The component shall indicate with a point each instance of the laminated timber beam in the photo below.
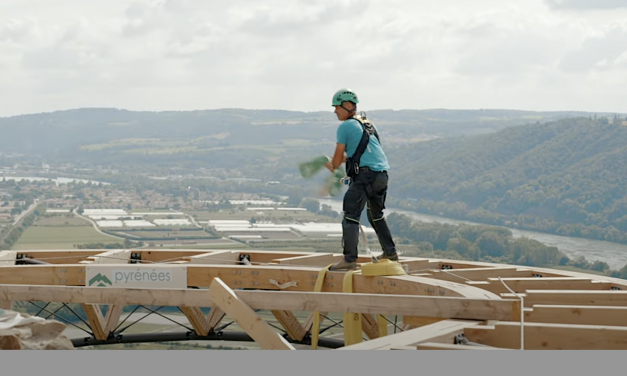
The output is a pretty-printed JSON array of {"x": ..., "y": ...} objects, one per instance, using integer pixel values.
[
  {"x": 7, "y": 258},
  {"x": 119, "y": 256},
  {"x": 440, "y": 331},
  {"x": 214, "y": 317},
  {"x": 543, "y": 336},
  {"x": 197, "y": 319},
  {"x": 100, "y": 325},
  {"x": 60, "y": 256},
  {"x": 259, "y": 277},
  {"x": 219, "y": 257},
  {"x": 316, "y": 259},
  {"x": 246, "y": 318},
  {"x": 572, "y": 297},
  {"x": 481, "y": 274},
  {"x": 578, "y": 315},
  {"x": 444, "y": 346},
  {"x": 520, "y": 285},
  {"x": 426, "y": 306},
  {"x": 290, "y": 323}
]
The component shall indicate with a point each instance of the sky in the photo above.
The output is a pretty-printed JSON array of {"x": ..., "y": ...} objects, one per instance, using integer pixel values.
[{"x": 179, "y": 55}]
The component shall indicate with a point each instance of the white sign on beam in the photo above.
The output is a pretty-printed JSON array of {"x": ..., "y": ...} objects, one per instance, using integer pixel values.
[{"x": 142, "y": 276}]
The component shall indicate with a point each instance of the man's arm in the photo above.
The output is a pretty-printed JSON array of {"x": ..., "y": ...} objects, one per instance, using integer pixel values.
[{"x": 338, "y": 158}]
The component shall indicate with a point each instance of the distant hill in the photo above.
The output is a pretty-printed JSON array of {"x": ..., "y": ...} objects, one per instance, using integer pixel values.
[
  {"x": 102, "y": 132},
  {"x": 567, "y": 176}
]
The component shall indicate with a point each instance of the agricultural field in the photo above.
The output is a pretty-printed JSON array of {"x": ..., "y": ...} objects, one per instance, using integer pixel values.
[
  {"x": 60, "y": 237},
  {"x": 276, "y": 216}
]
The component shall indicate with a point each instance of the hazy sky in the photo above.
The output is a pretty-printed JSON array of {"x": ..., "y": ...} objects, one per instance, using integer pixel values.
[{"x": 294, "y": 54}]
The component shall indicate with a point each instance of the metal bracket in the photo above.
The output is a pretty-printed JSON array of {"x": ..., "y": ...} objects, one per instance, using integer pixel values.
[{"x": 136, "y": 258}]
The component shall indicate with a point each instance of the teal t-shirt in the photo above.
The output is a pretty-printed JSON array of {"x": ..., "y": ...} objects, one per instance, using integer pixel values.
[{"x": 349, "y": 133}]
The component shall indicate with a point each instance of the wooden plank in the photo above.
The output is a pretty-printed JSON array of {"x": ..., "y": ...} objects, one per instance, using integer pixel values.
[
  {"x": 197, "y": 319},
  {"x": 316, "y": 259},
  {"x": 542, "y": 336},
  {"x": 369, "y": 326},
  {"x": 428, "y": 306},
  {"x": 246, "y": 318},
  {"x": 290, "y": 323},
  {"x": 60, "y": 256},
  {"x": 310, "y": 321},
  {"x": 418, "y": 321},
  {"x": 578, "y": 315},
  {"x": 573, "y": 297},
  {"x": 7, "y": 258},
  {"x": 260, "y": 277},
  {"x": 450, "y": 346},
  {"x": 215, "y": 258},
  {"x": 444, "y": 329},
  {"x": 214, "y": 317},
  {"x": 112, "y": 318},
  {"x": 117, "y": 256},
  {"x": 550, "y": 283},
  {"x": 480, "y": 274},
  {"x": 96, "y": 321},
  {"x": 421, "y": 265}
]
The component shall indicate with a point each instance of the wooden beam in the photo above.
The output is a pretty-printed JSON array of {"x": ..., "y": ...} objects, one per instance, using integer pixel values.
[
  {"x": 316, "y": 259},
  {"x": 197, "y": 319},
  {"x": 215, "y": 258},
  {"x": 444, "y": 329},
  {"x": 370, "y": 326},
  {"x": 550, "y": 283},
  {"x": 290, "y": 323},
  {"x": 60, "y": 256},
  {"x": 7, "y": 258},
  {"x": 573, "y": 297},
  {"x": 214, "y": 317},
  {"x": 428, "y": 306},
  {"x": 96, "y": 321},
  {"x": 479, "y": 274},
  {"x": 581, "y": 315},
  {"x": 450, "y": 346},
  {"x": 541, "y": 336},
  {"x": 117, "y": 256},
  {"x": 260, "y": 277},
  {"x": 246, "y": 318},
  {"x": 112, "y": 318},
  {"x": 418, "y": 321}
]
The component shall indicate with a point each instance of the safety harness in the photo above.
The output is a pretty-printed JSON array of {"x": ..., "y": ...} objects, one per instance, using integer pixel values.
[{"x": 352, "y": 163}]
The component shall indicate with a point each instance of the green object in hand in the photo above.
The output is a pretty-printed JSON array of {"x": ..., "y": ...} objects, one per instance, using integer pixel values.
[
  {"x": 309, "y": 169},
  {"x": 333, "y": 183}
]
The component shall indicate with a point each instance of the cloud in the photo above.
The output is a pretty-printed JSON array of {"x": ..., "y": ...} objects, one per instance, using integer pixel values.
[
  {"x": 184, "y": 54},
  {"x": 585, "y": 4},
  {"x": 598, "y": 52}
]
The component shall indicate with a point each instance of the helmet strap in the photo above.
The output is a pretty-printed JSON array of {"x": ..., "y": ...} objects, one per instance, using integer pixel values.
[{"x": 347, "y": 110}]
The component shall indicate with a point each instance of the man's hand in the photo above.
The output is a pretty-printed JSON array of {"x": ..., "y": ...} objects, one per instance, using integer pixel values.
[{"x": 329, "y": 166}]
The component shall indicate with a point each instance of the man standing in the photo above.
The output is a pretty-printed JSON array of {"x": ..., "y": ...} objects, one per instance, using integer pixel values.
[{"x": 368, "y": 185}]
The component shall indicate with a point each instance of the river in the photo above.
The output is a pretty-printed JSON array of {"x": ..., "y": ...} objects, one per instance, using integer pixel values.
[{"x": 614, "y": 254}]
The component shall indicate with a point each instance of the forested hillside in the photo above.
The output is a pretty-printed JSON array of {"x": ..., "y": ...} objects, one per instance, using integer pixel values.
[{"x": 568, "y": 177}]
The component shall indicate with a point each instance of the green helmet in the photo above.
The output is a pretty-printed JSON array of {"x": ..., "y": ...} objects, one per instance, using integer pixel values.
[{"x": 344, "y": 95}]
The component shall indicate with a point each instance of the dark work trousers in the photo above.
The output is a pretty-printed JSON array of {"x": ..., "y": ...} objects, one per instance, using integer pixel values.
[{"x": 367, "y": 187}]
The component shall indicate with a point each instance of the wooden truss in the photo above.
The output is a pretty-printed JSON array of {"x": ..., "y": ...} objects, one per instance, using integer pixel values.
[{"x": 444, "y": 304}]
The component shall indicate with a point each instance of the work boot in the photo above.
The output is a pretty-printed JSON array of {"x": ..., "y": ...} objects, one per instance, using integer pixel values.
[
  {"x": 383, "y": 256},
  {"x": 343, "y": 265}
]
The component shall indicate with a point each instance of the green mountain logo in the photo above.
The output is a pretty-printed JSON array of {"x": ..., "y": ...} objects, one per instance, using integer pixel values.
[{"x": 100, "y": 281}]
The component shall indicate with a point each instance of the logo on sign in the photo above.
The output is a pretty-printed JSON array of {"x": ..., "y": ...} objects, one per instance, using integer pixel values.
[
  {"x": 133, "y": 276},
  {"x": 100, "y": 281}
]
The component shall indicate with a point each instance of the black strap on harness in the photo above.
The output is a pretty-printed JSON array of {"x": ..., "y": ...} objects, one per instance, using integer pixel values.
[{"x": 352, "y": 163}]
